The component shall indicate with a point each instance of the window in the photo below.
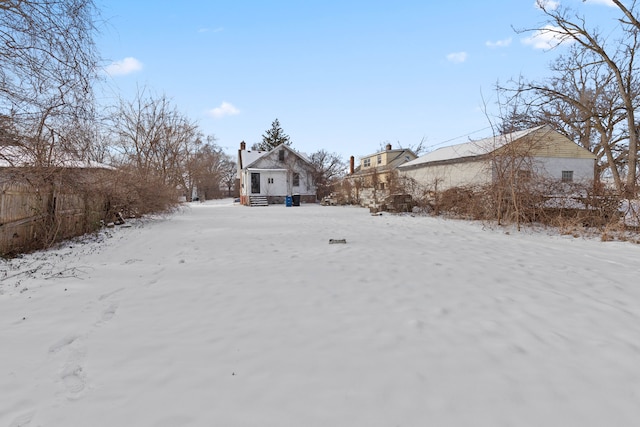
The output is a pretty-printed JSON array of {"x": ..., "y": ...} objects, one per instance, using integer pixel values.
[
  {"x": 281, "y": 155},
  {"x": 379, "y": 159},
  {"x": 567, "y": 176},
  {"x": 296, "y": 179},
  {"x": 367, "y": 163},
  {"x": 270, "y": 181}
]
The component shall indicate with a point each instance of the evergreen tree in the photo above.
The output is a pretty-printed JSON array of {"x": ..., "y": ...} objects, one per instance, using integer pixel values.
[{"x": 272, "y": 138}]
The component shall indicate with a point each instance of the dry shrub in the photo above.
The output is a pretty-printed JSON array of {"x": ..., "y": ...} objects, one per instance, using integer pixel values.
[
  {"x": 129, "y": 194},
  {"x": 47, "y": 205},
  {"x": 461, "y": 202},
  {"x": 572, "y": 209}
]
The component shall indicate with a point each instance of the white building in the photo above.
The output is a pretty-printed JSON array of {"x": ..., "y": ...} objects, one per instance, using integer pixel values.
[
  {"x": 267, "y": 177},
  {"x": 540, "y": 151}
]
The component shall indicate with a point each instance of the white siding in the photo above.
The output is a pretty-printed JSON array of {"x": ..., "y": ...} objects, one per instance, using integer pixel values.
[
  {"x": 478, "y": 173},
  {"x": 442, "y": 177},
  {"x": 276, "y": 188},
  {"x": 552, "y": 167}
]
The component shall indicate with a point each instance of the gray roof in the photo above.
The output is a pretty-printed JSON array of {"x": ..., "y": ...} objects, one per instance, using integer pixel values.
[
  {"x": 471, "y": 149},
  {"x": 249, "y": 157}
]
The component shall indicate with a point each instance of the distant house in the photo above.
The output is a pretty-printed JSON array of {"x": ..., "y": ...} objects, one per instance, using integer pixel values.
[
  {"x": 267, "y": 177},
  {"x": 540, "y": 151},
  {"x": 374, "y": 177}
]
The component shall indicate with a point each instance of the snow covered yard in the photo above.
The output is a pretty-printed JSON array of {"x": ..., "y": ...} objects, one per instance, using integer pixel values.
[{"x": 223, "y": 315}]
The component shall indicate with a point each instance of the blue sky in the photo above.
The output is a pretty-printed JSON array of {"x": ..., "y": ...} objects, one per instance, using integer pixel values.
[{"x": 345, "y": 76}]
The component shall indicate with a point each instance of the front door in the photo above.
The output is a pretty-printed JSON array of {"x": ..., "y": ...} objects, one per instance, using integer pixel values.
[{"x": 255, "y": 183}]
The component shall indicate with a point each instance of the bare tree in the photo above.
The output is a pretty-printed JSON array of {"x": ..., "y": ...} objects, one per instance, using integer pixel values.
[
  {"x": 154, "y": 137},
  {"x": 210, "y": 170},
  {"x": 580, "y": 100},
  {"x": 618, "y": 57},
  {"x": 418, "y": 148},
  {"x": 329, "y": 168},
  {"x": 229, "y": 174},
  {"x": 48, "y": 64}
]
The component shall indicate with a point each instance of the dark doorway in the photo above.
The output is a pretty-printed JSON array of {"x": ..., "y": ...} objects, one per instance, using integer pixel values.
[{"x": 255, "y": 183}]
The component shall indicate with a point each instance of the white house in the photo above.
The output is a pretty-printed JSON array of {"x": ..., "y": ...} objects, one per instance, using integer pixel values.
[
  {"x": 270, "y": 176},
  {"x": 540, "y": 151}
]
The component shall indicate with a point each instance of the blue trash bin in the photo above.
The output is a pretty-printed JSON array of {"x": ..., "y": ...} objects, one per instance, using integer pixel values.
[{"x": 288, "y": 201}]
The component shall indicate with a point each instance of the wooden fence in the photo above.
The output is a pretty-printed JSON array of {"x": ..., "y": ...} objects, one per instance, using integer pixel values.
[{"x": 36, "y": 215}]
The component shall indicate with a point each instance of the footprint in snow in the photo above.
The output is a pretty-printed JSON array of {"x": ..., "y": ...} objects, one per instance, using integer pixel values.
[
  {"x": 64, "y": 342},
  {"x": 23, "y": 420},
  {"x": 107, "y": 295},
  {"x": 73, "y": 378},
  {"x": 72, "y": 374},
  {"x": 107, "y": 314}
]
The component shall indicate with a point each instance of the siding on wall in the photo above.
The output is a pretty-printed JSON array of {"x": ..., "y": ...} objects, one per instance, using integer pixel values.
[
  {"x": 583, "y": 169},
  {"x": 442, "y": 177},
  {"x": 553, "y": 144},
  {"x": 270, "y": 166},
  {"x": 392, "y": 158},
  {"x": 32, "y": 217},
  {"x": 466, "y": 165},
  {"x": 279, "y": 186}
]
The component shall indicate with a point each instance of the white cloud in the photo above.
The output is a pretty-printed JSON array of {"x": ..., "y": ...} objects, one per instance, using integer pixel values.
[
  {"x": 457, "y": 57},
  {"x": 547, "y": 4},
  {"x": 499, "y": 43},
  {"x": 225, "y": 109},
  {"x": 547, "y": 38},
  {"x": 555, "y": 4},
  {"x": 125, "y": 66}
]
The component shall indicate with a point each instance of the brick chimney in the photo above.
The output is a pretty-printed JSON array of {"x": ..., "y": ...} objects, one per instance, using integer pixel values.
[
  {"x": 352, "y": 163},
  {"x": 388, "y": 147},
  {"x": 243, "y": 146}
]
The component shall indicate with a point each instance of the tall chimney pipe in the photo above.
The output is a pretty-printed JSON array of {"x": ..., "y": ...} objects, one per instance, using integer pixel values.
[
  {"x": 243, "y": 145},
  {"x": 352, "y": 162}
]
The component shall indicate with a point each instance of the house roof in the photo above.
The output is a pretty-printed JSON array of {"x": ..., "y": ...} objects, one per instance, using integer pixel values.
[
  {"x": 249, "y": 157},
  {"x": 472, "y": 149},
  {"x": 400, "y": 151},
  {"x": 15, "y": 156},
  {"x": 400, "y": 157},
  {"x": 394, "y": 159}
]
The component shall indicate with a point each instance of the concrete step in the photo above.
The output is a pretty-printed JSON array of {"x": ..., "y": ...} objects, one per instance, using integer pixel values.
[{"x": 258, "y": 201}]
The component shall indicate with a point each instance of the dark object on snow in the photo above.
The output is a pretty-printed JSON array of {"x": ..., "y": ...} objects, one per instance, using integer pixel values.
[
  {"x": 394, "y": 203},
  {"x": 119, "y": 219},
  {"x": 333, "y": 241},
  {"x": 333, "y": 199},
  {"x": 399, "y": 203}
]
